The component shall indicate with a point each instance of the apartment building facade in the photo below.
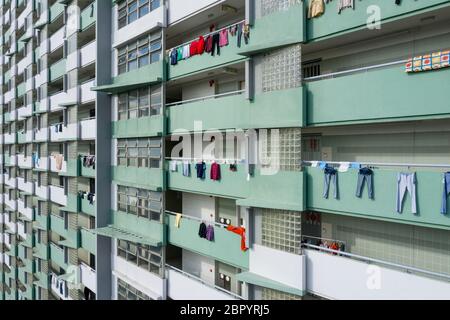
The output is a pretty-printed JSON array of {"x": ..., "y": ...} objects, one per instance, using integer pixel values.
[{"x": 224, "y": 149}]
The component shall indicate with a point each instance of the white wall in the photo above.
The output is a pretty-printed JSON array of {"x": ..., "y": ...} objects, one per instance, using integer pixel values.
[
  {"x": 340, "y": 278},
  {"x": 181, "y": 9},
  {"x": 198, "y": 90},
  {"x": 199, "y": 206},
  {"x": 150, "y": 284},
  {"x": 180, "y": 287},
  {"x": 283, "y": 267},
  {"x": 199, "y": 266}
]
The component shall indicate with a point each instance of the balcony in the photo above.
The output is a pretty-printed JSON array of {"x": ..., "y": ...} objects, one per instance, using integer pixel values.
[
  {"x": 41, "y": 251},
  {"x": 25, "y": 211},
  {"x": 41, "y": 135},
  {"x": 88, "y": 16},
  {"x": 42, "y": 191},
  {"x": 88, "y": 129},
  {"x": 389, "y": 94},
  {"x": 11, "y": 182},
  {"x": 233, "y": 110},
  {"x": 25, "y": 162},
  {"x": 57, "y": 39},
  {"x": 87, "y": 208},
  {"x": 56, "y": 71},
  {"x": 56, "y": 101},
  {"x": 88, "y": 240},
  {"x": 184, "y": 286},
  {"x": 59, "y": 288},
  {"x": 57, "y": 194},
  {"x": 25, "y": 111},
  {"x": 57, "y": 256},
  {"x": 10, "y": 161},
  {"x": 86, "y": 94},
  {"x": 284, "y": 190},
  {"x": 228, "y": 55},
  {"x": 42, "y": 164},
  {"x": 12, "y": 226},
  {"x": 88, "y": 277},
  {"x": 10, "y": 138},
  {"x": 149, "y": 178},
  {"x": 226, "y": 246},
  {"x": 57, "y": 225},
  {"x": 332, "y": 23},
  {"x": 25, "y": 137},
  {"x": 21, "y": 230},
  {"x": 69, "y": 132},
  {"x": 25, "y": 186},
  {"x": 88, "y": 54},
  {"x": 88, "y": 172},
  {"x": 397, "y": 282},
  {"x": 54, "y": 167},
  {"x": 383, "y": 207},
  {"x": 138, "y": 127},
  {"x": 42, "y": 221}
]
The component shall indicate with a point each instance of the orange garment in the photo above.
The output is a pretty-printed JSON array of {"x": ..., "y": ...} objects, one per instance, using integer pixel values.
[{"x": 240, "y": 231}]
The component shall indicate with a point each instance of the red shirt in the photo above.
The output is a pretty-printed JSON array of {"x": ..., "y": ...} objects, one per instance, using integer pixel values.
[
  {"x": 200, "y": 45},
  {"x": 193, "y": 48},
  {"x": 215, "y": 171}
]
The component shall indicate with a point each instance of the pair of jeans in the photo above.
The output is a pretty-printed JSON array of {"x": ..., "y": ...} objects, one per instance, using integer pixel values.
[
  {"x": 330, "y": 176},
  {"x": 406, "y": 182},
  {"x": 215, "y": 44},
  {"x": 445, "y": 193},
  {"x": 365, "y": 174}
]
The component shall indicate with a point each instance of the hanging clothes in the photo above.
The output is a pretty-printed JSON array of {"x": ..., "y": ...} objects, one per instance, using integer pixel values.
[
  {"x": 178, "y": 218},
  {"x": 186, "y": 51},
  {"x": 173, "y": 166},
  {"x": 186, "y": 169},
  {"x": 215, "y": 44},
  {"x": 215, "y": 171},
  {"x": 344, "y": 4},
  {"x": 201, "y": 170},
  {"x": 201, "y": 45},
  {"x": 174, "y": 57},
  {"x": 330, "y": 176},
  {"x": 233, "y": 167},
  {"x": 202, "y": 230},
  {"x": 446, "y": 192},
  {"x": 210, "y": 233},
  {"x": 365, "y": 174},
  {"x": 239, "y": 231},
  {"x": 59, "y": 159},
  {"x": 316, "y": 8},
  {"x": 180, "y": 54},
  {"x": 208, "y": 44},
  {"x": 223, "y": 37},
  {"x": 406, "y": 182},
  {"x": 193, "y": 48}
]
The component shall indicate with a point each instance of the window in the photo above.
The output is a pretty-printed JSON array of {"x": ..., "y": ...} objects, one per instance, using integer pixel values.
[
  {"x": 131, "y": 10},
  {"x": 140, "y": 103},
  {"x": 138, "y": 54},
  {"x": 144, "y": 256},
  {"x": 140, "y": 202},
  {"x": 141, "y": 153},
  {"x": 127, "y": 292}
]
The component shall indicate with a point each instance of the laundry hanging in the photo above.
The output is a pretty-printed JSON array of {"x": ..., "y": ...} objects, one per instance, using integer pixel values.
[
  {"x": 433, "y": 61},
  {"x": 365, "y": 175},
  {"x": 330, "y": 176},
  {"x": 239, "y": 231},
  {"x": 446, "y": 192},
  {"x": 202, "y": 230},
  {"x": 215, "y": 171},
  {"x": 406, "y": 182}
]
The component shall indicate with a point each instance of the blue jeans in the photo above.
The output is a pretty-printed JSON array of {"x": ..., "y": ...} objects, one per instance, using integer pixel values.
[
  {"x": 445, "y": 193},
  {"x": 406, "y": 182},
  {"x": 330, "y": 176},
  {"x": 364, "y": 175}
]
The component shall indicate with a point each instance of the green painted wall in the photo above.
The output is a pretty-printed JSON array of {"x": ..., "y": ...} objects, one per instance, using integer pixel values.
[
  {"x": 87, "y": 208},
  {"x": 143, "y": 226},
  {"x": 271, "y": 31},
  {"x": 284, "y": 190},
  {"x": 429, "y": 195},
  {"x": 88, "y": 241},
  {"x": 333, "y": 23},
  {"x": 141, "y": 127},
  {"x": 264, "y": 111},
  {"x": 152, "y": 179},
  {"x": 226, "y": 246},
  {"x": 384, "y": 94}
]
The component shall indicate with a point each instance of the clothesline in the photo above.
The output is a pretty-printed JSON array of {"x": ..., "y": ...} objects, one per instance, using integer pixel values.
[
  {"x": 380, "y": 164},
  {"x": 171, "y": 213},
  {"x": 324, "y": 239},
  {"x": 206, "y": 35},
  {"x": 205, "y": 160}
]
